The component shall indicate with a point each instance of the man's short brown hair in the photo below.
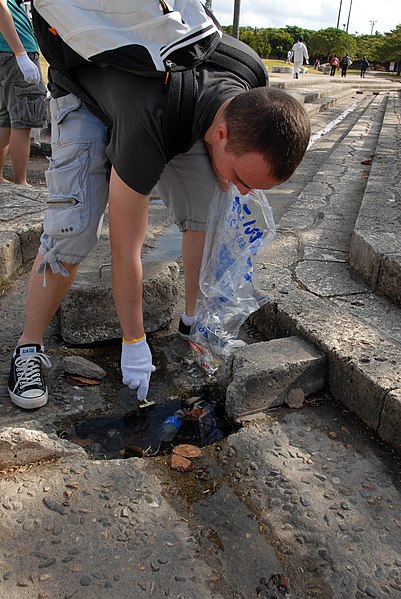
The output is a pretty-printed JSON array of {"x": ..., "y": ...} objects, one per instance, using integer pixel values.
[{"x": 269, "y": 121}]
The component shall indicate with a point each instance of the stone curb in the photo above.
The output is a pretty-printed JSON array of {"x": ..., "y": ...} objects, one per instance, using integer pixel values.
[
  {"x": 375, "y": 250},
  {"x": 362, "y": 365},
  {"x": 311, "y": 285}
]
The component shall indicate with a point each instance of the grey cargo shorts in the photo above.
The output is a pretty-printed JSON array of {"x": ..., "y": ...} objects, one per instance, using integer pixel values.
[
  {"x": 77, "y": 182},
  {"x": 22, "y": 104}
]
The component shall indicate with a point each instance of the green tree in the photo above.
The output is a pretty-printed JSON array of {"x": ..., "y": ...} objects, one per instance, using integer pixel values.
[
  {"x": 257, "y": 39},
  {"x": 327, "y": 42},
  {"x": 368, "y": 45},
  {"x": 280, "y": 41},
  {"x": 389, "y": 48},
  {"x": 295, "y": 32}
]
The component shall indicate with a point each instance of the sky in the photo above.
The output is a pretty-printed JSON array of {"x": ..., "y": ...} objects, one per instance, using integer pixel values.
[{"x": 384, "y": 15}]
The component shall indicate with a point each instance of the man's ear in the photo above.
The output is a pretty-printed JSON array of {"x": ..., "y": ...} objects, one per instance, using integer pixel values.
[{"x": 220, "y": 134}]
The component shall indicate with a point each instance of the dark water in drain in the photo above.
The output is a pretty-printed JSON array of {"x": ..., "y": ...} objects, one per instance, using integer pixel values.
[{"x": 135, "y": 431}]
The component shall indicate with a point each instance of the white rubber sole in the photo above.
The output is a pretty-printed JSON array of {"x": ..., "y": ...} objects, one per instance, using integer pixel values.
[{"x": 29, "y": 403}]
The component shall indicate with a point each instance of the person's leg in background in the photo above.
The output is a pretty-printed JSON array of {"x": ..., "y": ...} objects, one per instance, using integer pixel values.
[
  {"x": 5, "y": 133},
  {"x": 17, "y": 143},
  {"x": 22, "y": 106},
  {"x": 19, "y": 149}
]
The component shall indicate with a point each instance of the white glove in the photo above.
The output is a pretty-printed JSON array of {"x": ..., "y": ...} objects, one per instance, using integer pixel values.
[
  {"x": 136, "y": 366},
  {"x": 28, "y": 68}
]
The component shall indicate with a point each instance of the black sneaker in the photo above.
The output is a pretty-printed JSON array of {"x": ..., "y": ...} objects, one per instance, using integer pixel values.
[
  {"x": 184, "y": 330},
  {"x": 26, "y": 385}
]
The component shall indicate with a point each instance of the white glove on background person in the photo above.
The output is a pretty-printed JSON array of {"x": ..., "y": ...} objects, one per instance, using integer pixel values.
[
  {"x": 28, "y": 68},
  {"x": 136, "y": 366}
]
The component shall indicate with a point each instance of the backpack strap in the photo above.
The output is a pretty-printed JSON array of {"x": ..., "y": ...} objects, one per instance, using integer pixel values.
[
  {"x": 230, "y": 55},
  {"x": 182, "y": 89}
]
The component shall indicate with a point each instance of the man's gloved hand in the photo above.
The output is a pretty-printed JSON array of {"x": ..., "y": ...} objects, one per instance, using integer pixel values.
[
  {"x": 28, "y": 68},
  {"x": 136, "y": 366}
]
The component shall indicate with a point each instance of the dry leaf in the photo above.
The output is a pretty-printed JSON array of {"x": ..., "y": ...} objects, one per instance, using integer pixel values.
[
  {"x": 75, "y": 379},
  {"x": 187, "y": 451},
  {"x": 177, "y": 462}
]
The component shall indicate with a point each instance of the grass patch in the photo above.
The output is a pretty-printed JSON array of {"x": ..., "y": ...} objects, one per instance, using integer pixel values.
[{"x": 274, "y": 62}]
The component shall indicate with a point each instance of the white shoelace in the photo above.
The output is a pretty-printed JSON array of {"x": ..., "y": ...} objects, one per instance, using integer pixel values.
[{"x": 28, "y": 369}]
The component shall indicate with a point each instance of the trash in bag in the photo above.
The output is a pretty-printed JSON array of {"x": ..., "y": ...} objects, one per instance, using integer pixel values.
[{"x": 238, "y": 226}]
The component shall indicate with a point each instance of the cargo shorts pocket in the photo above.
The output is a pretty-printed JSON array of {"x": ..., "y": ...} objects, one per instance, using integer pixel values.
[
  {"x": 5, "y": 57},
  {"x": 68, "y": 211},
  {"x": 30, "y": 103}
]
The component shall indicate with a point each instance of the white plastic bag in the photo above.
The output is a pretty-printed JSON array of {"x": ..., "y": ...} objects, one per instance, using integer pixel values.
[{"x": 238, "y": 226}]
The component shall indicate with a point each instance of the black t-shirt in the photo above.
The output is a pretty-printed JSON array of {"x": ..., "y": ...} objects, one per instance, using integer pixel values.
[{"x": 135, "y": 109}]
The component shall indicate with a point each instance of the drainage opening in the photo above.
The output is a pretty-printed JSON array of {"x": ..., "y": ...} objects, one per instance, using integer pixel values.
[{"x": 149, "y": 431}]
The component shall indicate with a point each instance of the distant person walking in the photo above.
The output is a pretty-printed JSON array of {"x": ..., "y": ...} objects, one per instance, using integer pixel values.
[
  {"x": 300, "y": 53},
  {"x": 334, "y": 64},
  {"x": 289, "y": 56},
  {"x": 364, "y": 66},
  {"x": 345, "y": 63}
]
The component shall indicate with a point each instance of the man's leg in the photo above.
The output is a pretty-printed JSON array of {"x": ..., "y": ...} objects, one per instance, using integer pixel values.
[
  {"x": 43, "y": 302},
  {"x": 78, "y": 188},
  {"x": 193, "y": 243},
  {"x": 19, "y": 152},
  {"x": 187, "y": 186},
  {"x": 5, "y": 133}
]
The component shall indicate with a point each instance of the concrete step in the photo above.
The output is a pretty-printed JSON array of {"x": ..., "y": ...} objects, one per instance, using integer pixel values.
[
  {"x": 375, "y": 250},
  {"x": 316, "y": 296},
  {"x": 88, "y": 315}
]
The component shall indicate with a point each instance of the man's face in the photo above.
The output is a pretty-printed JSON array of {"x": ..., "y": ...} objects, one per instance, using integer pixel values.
[{"x": 246, "y": 172}]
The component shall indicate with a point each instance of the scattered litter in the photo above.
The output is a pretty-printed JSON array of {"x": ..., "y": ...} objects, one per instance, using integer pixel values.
[{"x": 146, "y": 403}]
